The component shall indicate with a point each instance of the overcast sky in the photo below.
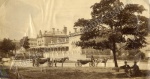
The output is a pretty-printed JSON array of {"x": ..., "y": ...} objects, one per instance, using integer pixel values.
[{"x": 17, "y": 16}]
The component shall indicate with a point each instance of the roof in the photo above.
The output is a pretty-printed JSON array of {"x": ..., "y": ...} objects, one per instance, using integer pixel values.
[
  {"x": 75, "y": 34},
  {"x": 51, "y": 34},
  {"x": 56, "y": 34}
]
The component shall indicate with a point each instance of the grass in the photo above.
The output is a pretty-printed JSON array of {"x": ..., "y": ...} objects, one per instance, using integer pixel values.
[{"x": 76, "y": 73}]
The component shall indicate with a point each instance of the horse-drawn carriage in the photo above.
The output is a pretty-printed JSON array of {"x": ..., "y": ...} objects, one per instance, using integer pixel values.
[
  {"x": 93, "y": 61},
  {"x": 79, "y": 63},
  {"x": 50, "y": 62},
  {"x": 38, "y": 61}
]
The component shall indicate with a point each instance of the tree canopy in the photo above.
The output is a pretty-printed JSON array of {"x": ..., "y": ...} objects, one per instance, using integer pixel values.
[
  {"x": 113, "y": 22},
  {"x": 24, "y": 42},
  {"x": 7, "y": 45}
]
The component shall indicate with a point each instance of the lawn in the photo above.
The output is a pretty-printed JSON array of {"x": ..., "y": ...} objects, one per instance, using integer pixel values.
[{"x": 75, "y": 73}]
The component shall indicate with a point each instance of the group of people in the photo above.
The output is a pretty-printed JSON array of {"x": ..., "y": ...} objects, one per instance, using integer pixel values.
[{"x": 131, "y": 71}]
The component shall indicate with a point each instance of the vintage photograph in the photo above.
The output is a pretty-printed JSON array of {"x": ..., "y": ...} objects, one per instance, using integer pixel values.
[{"x": 74, "y": 39}]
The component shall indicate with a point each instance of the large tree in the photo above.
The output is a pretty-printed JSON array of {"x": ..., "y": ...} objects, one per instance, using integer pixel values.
[
  {"x": 7, "y": 45},
  {"x": 24, "y": 42},
  {"x": 113, "y": 23}
]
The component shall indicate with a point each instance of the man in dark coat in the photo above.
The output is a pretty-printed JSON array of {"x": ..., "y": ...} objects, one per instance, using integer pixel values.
[{"x": 126, "y": 68}]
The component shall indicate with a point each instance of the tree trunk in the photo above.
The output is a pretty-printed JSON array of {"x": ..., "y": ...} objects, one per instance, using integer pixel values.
[{"x": 114, "y": 54}]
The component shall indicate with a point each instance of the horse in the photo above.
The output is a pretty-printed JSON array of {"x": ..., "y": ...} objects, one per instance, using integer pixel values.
[
  {"x": 60, "y": 60},
  {"x": 104, "y": 60},
  {"x": 39, "y": 61}
]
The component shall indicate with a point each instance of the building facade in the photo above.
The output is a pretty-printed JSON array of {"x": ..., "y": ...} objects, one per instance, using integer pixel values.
[
  {"x": 32, "y": 42},
  {"x": 57, "y": 44}
]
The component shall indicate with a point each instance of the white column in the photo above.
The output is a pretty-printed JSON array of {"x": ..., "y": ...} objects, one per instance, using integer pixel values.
[
  {"x": 52, "y": 54},
  {"x": 63, "y": 53}
]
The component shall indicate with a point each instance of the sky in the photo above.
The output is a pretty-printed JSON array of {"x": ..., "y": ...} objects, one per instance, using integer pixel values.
[{"x": 19, "y": 18}]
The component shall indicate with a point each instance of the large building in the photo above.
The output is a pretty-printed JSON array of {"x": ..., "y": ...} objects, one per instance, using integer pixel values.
[{"x": 57, "y": 44}]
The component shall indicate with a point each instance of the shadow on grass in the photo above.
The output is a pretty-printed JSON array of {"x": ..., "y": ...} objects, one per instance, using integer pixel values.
[
  {"x": 53, "y": 74},
  {"x": 143, "y": 74}
]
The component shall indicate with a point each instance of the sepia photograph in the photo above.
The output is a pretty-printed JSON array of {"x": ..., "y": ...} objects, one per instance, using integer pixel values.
[{"x": 74, "y": 39}]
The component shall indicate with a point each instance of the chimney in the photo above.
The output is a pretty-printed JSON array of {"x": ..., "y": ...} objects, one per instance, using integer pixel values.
[
  {"x": 45, "y": 32},
  {"x": 75, "y": 30},
  {"x": 65, "y": 30},
  {"x": 53, "y": 30}
]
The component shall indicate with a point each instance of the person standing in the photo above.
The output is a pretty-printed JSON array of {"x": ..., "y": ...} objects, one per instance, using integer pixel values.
[{"x": 33, "y": 60}]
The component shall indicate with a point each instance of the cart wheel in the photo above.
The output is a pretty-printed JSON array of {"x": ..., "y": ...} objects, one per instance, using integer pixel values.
[
  {"x": 50, "y": 64},
  {"x": 78, "y": 64},
  {"x": 91, "y": 64},
  {"x": 37, "y": 64}
]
